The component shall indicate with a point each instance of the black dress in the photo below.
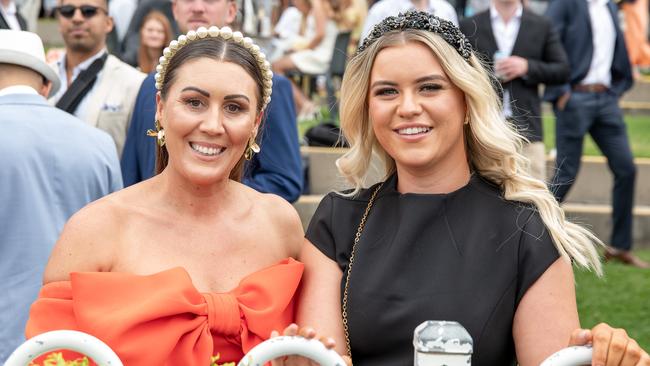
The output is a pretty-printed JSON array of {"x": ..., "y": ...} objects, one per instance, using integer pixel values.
[{"x": 467, "y": 256}]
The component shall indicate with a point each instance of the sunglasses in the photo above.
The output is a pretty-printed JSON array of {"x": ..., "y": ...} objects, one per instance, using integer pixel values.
[{"x": 87, "y": 11}]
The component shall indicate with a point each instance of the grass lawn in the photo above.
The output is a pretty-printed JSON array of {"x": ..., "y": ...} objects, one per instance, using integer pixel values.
[
  {"x": 638, "y": 128},
  {"x": 621, "y": 298}
]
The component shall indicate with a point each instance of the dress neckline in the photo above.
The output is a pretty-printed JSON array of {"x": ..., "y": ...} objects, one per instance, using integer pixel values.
[
  {"x": 390, "y": 188},
  {"x": 184, "y": 273}
]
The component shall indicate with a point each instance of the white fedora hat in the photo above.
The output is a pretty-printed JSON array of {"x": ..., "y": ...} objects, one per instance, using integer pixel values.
[{"x": 26, "y": 49}]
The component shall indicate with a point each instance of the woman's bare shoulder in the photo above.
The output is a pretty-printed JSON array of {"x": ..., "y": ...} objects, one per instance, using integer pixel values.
[
  {"x": 105, "y": 214},
  {"x": 283, "y": 217},
  {"x": 90, "y": 238}
]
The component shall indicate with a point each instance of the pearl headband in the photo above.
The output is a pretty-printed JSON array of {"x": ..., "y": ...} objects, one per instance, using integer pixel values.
[{"x": 224, "y": 33}]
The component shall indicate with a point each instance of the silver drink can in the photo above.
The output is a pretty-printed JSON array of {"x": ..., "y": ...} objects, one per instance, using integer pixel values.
[{"x": 442, "y": 343}]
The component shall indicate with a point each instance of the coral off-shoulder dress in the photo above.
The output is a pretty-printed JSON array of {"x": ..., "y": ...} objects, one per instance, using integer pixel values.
[{"x": 161, "y": 319}]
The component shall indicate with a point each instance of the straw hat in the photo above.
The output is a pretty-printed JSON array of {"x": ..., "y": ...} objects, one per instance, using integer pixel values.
[{"x": 26, "y": 49}]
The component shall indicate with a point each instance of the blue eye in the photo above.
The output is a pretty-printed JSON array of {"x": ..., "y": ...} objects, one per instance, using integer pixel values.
[{"x": 386, "y": 91}]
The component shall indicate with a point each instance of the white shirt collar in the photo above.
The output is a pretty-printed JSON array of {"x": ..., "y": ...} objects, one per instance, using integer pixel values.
[
  {"x": 18, "y": 89},
  {"x": 494, "y": 14},
  {"x": 598, "y": 2},
  {"x": 82, "y": 66},
  {"x": 9, "y": 10}
]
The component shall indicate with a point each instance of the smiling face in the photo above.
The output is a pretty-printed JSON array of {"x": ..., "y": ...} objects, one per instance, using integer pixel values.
[
  {"x": 153, "y": 34},
  {"x": 416, "y": 112},
  {"x": 209, "y": 113}
]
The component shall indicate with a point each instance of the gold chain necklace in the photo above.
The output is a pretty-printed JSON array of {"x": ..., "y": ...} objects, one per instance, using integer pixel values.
[{"x": 357, "y": 237}]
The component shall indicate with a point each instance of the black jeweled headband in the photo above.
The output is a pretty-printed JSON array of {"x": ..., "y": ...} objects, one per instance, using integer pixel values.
[{"x": 421, "y": 20}]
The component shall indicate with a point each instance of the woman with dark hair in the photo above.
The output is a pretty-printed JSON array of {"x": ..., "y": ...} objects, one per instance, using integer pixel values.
[
  {"x": 191, "y": 264},
  {"x": 155, "y": 34}
]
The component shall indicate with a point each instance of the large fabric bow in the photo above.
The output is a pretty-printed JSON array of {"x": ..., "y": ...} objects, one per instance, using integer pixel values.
[{"x": 162, "y": 319}]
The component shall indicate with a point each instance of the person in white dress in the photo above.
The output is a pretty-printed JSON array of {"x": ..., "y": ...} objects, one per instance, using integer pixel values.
[{"x": 312, "y": 52}]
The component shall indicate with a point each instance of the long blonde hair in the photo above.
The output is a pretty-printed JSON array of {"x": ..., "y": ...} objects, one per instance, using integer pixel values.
[{"x": 492, "y": 143}]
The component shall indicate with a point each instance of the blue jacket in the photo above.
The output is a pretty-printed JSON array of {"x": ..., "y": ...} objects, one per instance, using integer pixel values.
[
  {"x": 572, "y": 22},
  {"x": 52, "y": 164},
  {"x": 276, "y": 169}
]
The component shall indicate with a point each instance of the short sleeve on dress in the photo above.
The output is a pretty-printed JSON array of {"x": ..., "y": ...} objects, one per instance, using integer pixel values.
[
  {"x": 319, "y": 231},
  {"x": 536, "y": 253}
]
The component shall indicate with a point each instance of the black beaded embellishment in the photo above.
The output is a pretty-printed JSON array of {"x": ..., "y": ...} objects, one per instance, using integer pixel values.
[{"x": 421, "y": 20}]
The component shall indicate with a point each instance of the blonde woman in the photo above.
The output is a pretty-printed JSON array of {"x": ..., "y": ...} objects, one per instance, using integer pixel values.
[{"x": 457, "y": 231}]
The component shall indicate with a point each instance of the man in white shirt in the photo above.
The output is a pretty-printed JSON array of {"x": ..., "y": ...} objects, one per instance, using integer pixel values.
[
  {"x": 96, "y": 87},
  {"x": 10, "y": 18},
  {"x": 600, "y": 74},
  {"x": 526, "y": 52},
  {"x": 386, "y": 8}
]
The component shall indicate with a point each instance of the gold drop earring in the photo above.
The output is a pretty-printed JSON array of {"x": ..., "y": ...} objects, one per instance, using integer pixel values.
[
  {"x": 159, "y": 134},
  {"x": 251, "y": 149}
]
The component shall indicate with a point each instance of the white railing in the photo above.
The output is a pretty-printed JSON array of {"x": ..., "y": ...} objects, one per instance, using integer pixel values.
[
  {"x": 63, "y": 339},
  {"x": 260, "y": 354}
]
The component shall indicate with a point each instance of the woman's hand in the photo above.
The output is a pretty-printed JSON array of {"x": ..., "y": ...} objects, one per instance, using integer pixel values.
[
  {"x": 611, "y": 346},
  {"x": 309, "y": 333}
]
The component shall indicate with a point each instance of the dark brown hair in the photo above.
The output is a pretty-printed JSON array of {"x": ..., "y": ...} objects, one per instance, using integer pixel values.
[
  {"x": 147, "y": 63},
  {"x": 220, "y": 50}
]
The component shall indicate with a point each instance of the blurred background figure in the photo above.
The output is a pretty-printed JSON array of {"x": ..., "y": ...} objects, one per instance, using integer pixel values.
[
  {"x": 588, "y": 104},
  {"x": 29, "y": 10},
  {"x": 96, "y": 87},
  {"x": 10, "y": 18},
  {"x": 289, "y": 23},
  {"x": 155, "y": 35},
  {"x": 636, "y": 34},
  {"x": 131, "y": 41},
  {"x": 286, "y": 31},
  {"x": 350, "y": 16},
  {"x": 525, "y": 52},
  {"x": 475, "y": 6},
  {"x": 52, "y": 165},
  {"x": 536, "y": 6},
  {"x": 122, "y": 12},
  {"x": 310, "y": 53}
]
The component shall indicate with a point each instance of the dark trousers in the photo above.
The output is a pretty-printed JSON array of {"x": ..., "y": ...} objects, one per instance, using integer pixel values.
[{"x": 599, "y": 115}]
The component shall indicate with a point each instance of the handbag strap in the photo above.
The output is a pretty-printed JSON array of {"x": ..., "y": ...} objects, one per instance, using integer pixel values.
[
  {"x": 72, "y": 97},
  {"x": 357, "y": 237}
]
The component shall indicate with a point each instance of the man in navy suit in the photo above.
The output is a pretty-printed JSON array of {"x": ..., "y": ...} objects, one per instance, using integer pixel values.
[
  {"x": 600, "y": 74},
  {"x": 276, "y": 169}
]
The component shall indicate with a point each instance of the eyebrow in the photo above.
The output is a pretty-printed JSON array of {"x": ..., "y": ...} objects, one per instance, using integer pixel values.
[
  {"x": 198, "y": 90},
  {"x": 417, "y": 81},
  {"x": 431, "y": 78},
  {"x": 236, "y": 96}
]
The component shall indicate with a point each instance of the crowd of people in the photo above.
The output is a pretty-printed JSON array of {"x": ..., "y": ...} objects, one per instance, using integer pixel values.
[{"x": 152, "y": 170}]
